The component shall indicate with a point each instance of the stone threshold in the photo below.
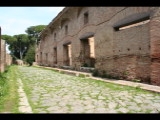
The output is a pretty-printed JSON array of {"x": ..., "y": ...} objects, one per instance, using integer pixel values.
[{"x": 143, "y": 86}]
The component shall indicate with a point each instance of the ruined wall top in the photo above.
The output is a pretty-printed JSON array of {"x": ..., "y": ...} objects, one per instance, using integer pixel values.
[{"x": 43, "y": 33}]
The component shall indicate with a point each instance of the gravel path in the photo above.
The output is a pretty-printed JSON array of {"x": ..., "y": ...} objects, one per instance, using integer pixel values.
[{"x": 51, "y": 92}]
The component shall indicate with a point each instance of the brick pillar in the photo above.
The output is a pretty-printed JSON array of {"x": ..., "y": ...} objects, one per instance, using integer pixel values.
[
  {"x": 3, "y": 55},
  {"x": 0, "y": 53},
  {"x": 155, "y": 47}
]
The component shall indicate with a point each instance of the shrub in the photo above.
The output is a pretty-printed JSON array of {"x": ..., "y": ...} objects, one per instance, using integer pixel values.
[
  {"x": 104, "y": 74},
  {"x": 30, "y": 55},
  {"x": 95, "y": 73},
  {"x": 85, "y": 65}
]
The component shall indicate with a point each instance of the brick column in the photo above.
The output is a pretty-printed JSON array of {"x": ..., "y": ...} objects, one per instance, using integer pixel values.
[
  {"x": 155, "y": 47},
  {"x": 0, "y": 53}
]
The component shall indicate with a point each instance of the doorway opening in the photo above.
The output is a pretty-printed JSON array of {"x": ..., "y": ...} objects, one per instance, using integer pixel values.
[
  {"x": 87, "y": 52},
  {"x": 55, "y": 55},
  {"x": 46, "y": 59},
  {"x": 41, "y": 58},
  {"x": 67, "y": 54}
]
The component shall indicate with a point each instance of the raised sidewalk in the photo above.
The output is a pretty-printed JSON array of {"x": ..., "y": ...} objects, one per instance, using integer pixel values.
[{"x": 147, "y": 87}]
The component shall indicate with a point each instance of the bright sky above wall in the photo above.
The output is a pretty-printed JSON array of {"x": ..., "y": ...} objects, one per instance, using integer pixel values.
[{"x": 15, "y": 20}]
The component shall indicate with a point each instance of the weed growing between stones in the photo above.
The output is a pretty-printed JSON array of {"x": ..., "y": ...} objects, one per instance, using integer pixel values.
[{"x": 82, "y": 75}]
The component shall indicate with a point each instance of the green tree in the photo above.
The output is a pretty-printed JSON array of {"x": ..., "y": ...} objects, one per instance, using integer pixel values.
[
  {"x": 33, "y": 33},
  {"x": 18, "y": 44},
  {"x": 30, "y": 55},
  {"x": 21, "y": 45},
  {"x": 9, "y": 39}
]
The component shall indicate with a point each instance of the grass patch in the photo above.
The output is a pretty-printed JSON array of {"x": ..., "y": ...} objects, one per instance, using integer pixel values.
[
  {"x": 69, "y": 107},
  {"x": 82, "y": 75},
  {"x": 117, "y": 87},
  {"x": 9, "y": 97},
  {"x": 62, "y": 72}
]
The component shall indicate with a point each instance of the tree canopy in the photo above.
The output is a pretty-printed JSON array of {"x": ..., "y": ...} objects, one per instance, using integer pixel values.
[
  {"x": 23, "y": 45},
  {"x": 33, "y": 32},
  {"x": 30, "y": 55},
  {"x": 18, "y": 44}
]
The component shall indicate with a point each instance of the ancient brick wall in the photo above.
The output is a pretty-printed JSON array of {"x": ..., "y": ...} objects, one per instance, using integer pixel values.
[
  {"x": 0, "y": 51},
  {"x": 8, "y": 59},
  {"x": 124, "y": 53},
  {"x": 3, "y": 55},
  {"x": 5, "y": 58},
  {"x": 155, "y": 47}
]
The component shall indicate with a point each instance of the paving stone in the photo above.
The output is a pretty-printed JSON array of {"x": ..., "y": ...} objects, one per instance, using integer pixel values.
[
  {"x": 86, "y": 98},
  {"x": 77, "y": 109},
  {"x": 89, "y": 107},
  {"x": 147, "y": 101},
  {"x": 101, "y": 98},
  {"x": 130, "y": 103},
  {"x": 112, "y": 111},
  {"x": 156, "y": 101},
  {"x": 100, "y": 110},
  {"x": 89, "y": 111},
  {"x": 62, "y": 104},
  {"x": 25, "y": 109},
  {"x": 46, "y": 95},
  {"x": 122, "y": 103},
  {"x": 154, "y": 111},
  {"x": 40, "y": 111},
  {"x": 112, "y": 105},
  {"x": 138, "y": 101},
  {"x": 134, "y": 108},
  {"x": 55, "y": 91},
  {"x": 53, "y": 108},
  {"x": 87, "y": 102},
  {"x": 157, "y": 105},
  {"x": 123, "y": 110}
]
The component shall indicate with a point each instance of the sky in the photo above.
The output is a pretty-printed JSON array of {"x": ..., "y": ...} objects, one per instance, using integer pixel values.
[{"x": 15, "y": 20}]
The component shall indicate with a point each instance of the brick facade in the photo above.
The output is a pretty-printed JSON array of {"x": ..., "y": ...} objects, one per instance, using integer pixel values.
[
  {"x": 5, "y": 58},
  {"x": 131, "y": 53},
  {"x": 155, "y": 47}
]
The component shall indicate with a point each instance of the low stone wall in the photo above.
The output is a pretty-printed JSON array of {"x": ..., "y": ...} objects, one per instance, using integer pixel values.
[{"x": 74, "y": 73}]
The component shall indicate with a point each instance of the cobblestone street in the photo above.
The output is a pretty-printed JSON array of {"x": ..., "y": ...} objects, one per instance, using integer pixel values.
[{"x": 52, "y": 92}]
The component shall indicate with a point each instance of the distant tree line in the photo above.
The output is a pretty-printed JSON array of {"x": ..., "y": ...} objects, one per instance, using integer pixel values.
[{"x": 22, "y": 46}]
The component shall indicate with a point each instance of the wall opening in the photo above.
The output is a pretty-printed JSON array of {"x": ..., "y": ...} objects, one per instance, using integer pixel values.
[
  {"x": 67, "y": 54},
  {"x": 132, "y": 24},
  {"x": 86, "y": 18},
  {"x": 127, "y": 23},
  {"x": 41, "y": 58},
  {"x": 66, "y": 29},
  {"x": 37, "y": 59},
  {"x": 55, "y": 55},
  {"x": 54, "y": 36},
  {"x": 46, "y": 58},
  {"x": 87, "y": 52}
]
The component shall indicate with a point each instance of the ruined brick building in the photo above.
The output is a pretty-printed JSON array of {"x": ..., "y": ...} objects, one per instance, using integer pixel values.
[
  {"x": 122, "y": 41},
  {"x": 5, "y": 58}
]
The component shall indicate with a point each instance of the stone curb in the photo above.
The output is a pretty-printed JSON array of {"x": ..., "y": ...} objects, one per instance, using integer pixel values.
[
  {"x": 24, "y": 106},
  {"x": 151, "y": 88}
]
